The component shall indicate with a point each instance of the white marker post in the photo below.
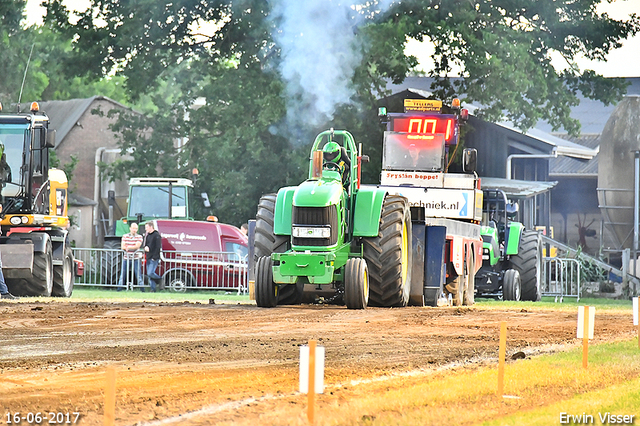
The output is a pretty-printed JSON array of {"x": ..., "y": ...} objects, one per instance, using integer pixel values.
[
  {"x": 586, "y": 322},
  {"x": 311, "y": 374},
  {"x": 636, "y": 317}
]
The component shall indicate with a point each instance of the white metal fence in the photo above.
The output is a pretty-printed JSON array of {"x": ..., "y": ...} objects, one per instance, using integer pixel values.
[
  {"x": 180, "y": 271},
  {"x": 561, "y": 278}
]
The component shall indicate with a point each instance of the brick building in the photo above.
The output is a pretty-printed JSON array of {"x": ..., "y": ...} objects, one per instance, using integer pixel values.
[{"x": 85, "y": 134}]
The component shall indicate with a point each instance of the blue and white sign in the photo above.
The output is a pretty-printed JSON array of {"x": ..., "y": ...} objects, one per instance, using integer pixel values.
[{"x": 439, "y": 202}]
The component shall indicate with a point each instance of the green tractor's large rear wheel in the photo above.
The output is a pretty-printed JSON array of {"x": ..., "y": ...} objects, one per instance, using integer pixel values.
[
  {"x": 388, "y": 255},
  {"x": 528, "y": 262},
  {"x": 111, "y": 261},
  {"x": 266, "y": 242},
  {"x": 356, "y": 284}
]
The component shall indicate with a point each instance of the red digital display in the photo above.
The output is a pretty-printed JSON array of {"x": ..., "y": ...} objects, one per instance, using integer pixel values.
[{"x": 428, "y": 125}]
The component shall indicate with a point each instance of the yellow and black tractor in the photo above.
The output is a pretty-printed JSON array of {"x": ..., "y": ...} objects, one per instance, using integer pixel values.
[{"x": 37, "y": 259}]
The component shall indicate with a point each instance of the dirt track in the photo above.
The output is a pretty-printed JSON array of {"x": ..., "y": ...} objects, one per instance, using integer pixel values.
[{"x": 231, "y": 361}]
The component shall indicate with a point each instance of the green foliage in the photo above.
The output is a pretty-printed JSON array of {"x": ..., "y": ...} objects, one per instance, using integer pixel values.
[
  {"x": 147, "y": 144},
  {"x": 11, "y": 13},
  {"x": 67, "y": 168},
  {"x": 37, "y": 56},
  {"x": 15, "y": 47},
  {"x": 17, "y": 60}
]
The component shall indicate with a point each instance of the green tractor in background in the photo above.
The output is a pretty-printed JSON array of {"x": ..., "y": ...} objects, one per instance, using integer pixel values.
[
  {"x": 150, "y": 198},
  {"x": 511, "y": 256},
  {"x": 329, "y": 239}
]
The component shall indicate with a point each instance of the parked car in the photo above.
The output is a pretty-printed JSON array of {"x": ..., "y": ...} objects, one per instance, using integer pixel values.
[{"x": 198, "y": 254}]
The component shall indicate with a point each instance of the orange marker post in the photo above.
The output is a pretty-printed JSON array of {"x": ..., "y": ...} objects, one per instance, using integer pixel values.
[
  {"x": 501, "y": 356},
  {"x": 585, "y": 339},
  {"x": 110, "y": 397},
  {"x": 311, "y": 393}
]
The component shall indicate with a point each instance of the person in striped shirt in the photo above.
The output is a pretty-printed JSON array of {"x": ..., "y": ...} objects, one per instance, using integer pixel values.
[{"x": 132, "y": 259}]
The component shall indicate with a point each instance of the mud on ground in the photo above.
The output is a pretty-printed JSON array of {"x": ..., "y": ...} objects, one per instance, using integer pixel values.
[{"x": 229, "y": 362}]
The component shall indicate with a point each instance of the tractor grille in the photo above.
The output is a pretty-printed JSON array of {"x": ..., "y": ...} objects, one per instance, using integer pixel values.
[{"x": 316, "y": 216}]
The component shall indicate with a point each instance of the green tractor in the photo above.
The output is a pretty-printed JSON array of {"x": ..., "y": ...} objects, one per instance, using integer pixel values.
[
  {"x": 329, "y": 239},
  {"x": 511, "y": 256},
  {"x": 149, "y": 198}
]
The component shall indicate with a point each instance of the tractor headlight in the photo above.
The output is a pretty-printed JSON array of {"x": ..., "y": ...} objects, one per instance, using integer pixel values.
[
  {"x": 311, "y": 231},
  {"x": 15, "y": 220}
]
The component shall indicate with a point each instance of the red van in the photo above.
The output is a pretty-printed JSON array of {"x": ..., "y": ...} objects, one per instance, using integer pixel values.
[{"x": 198, "y": 255}]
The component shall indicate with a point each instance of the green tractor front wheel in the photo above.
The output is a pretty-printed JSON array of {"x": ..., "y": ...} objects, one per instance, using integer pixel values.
[
  {"x": 266, "y": 242},
  {"x": 511, "y": 285},
  {"x": 266, "y": 290},
  {"x": 356, "y": 284}
]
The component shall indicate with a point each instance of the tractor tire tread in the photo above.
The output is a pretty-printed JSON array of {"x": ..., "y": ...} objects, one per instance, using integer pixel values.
[
  {"x": 266, "y": 242},
  {"x": 528, "y": 262},
  {"x": 383, "y": 255}
]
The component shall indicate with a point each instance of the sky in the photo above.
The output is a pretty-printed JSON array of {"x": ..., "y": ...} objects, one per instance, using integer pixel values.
[{"x": 623, "y": 62}]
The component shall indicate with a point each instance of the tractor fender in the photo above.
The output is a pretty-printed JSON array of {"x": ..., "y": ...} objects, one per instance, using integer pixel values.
[
  {"x": 282, "y": 213},
  {"x": 18, "y": 252},
  {"x": 368, "y": 211},
  {"x": 512, "y": 237},
  {"x": 38, "y": 239}
]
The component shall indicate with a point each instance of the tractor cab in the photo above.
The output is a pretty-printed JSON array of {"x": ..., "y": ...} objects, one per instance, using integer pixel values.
[
  {"x": 25, "y": 140},
  {"x": 498, "y": 212}
]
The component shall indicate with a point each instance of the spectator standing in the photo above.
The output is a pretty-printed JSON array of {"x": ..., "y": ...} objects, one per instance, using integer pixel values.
[
  {"x": 152, "y": 246},
  {"x": 244, "y": 228},
  {"x": 131, "y": 244}
]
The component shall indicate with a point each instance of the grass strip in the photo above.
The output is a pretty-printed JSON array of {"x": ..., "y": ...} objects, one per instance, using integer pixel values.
[
  {"x": 591, "y": 407},
  {"x": 539, "y": 389},
  {"x": 81, "y": 294},
  {"x": 569, "y": 304}
]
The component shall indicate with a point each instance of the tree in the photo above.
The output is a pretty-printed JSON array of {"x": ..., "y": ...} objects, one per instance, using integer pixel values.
[
  {"x": 504, "y": 48},
  {"x": 16, "y": 46},
  {"x": 33, "y": 61},
  {"x": 236, "y": 54}
]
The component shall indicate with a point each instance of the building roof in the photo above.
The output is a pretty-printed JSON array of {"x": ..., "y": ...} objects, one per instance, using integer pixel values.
[
  {"x": 514, "y": 188},
  {"x": 64, "y": 115},
  {"x": 565, "y": 166},
  {"x": 562, "y": 147}
]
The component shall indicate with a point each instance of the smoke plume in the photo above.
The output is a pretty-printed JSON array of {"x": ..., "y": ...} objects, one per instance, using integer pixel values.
[{"x": 319, "y": 54}]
